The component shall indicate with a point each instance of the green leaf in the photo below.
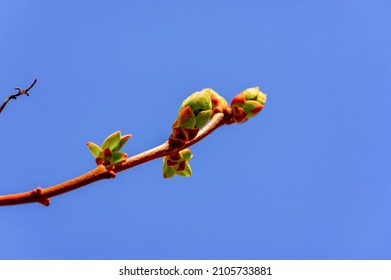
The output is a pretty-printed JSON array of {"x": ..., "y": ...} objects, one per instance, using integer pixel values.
[
  {"x": 118, "y": 157},
  {"x": 94, "y": 149},
  {"x": 112, "y": 141},
  {"x": 168, "y": 171},
  {"x": 202, "y": 118},
  {"x": 122, "y": 142}
]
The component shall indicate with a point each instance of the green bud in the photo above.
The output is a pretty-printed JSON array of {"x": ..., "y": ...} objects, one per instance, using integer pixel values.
[
  {"x": 198, "y": 101},
  {"x": 195, "y": 110},
  {"x": 177, "y": 164},
  {"x": 193, "y": 114},
  {"x": 186, "y": 154},
  {"x": 247, "y": 104},
  {"x": 109, "y": 152}
]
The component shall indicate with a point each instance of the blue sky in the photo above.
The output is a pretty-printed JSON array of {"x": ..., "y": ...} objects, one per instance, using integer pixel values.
[{"x": 309, "y": 178}]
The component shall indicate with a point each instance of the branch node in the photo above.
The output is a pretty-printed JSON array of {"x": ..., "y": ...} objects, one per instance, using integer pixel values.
[
  {"x": 36, "y": 192},
  {"x": 175, "y": 143}
]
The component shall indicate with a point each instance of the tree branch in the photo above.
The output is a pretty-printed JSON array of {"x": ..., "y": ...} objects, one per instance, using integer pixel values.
[
  {"x": 105, "y": 172},
  {"x": 20, "y": 92}
]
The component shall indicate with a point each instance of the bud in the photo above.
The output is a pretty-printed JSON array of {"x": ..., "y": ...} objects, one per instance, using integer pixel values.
[
  {"x": 177, "y": 164},
  {"x": 247, "y": 104},
  {"x": 198, "y": 101},
  {"x": 193, "y": 114},
  {"x": 185, "y": 154},
  {"x": 109, "y": 152},
  {"x": 199, "y": 112}
]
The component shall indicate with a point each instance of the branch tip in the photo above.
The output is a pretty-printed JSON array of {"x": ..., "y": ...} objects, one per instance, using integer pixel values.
[{"x": 20, "y": 92}]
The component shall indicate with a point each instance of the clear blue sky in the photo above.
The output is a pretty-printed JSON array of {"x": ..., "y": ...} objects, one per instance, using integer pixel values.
[{"x": 309, "y": 178}]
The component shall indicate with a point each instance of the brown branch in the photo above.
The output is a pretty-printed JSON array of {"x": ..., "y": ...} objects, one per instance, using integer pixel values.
[
  {"x": 105, "y": 172},
  {"x": 20, "y": 92}
]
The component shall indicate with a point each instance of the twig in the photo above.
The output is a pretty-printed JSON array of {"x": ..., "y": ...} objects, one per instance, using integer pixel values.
[
  {"x": 20, "y": 92},
  {"x": 105, "y": 172}
]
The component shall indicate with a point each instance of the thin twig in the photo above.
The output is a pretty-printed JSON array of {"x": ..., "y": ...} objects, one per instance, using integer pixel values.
[
  {"x": 20, "y": 92},
  {"x": 105, "y": 172}
]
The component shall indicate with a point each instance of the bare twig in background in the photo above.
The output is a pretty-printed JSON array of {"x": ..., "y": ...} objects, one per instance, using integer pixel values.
[{"x": 20, "y": 92}]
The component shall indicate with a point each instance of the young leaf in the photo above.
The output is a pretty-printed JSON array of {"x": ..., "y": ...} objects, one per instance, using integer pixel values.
[
  {"x": 94, "y": 149},
  {"x": 122, "y": 142},
  {"x": 112, "y": 141},
  {"x": 118, "y": 157},
  {"x": 168, "y": 171}
]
